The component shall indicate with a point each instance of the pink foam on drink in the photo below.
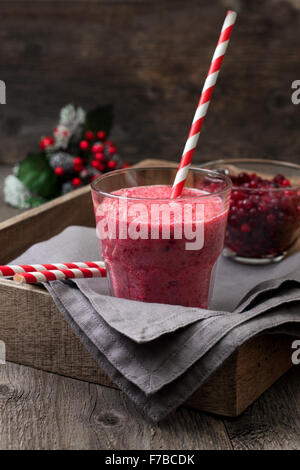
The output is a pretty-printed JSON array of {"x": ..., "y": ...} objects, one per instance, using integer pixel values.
[{"x": 163, "y": 270}]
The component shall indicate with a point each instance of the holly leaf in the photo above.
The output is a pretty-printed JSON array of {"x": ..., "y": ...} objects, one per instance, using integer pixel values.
[
  {"x": 99, "y": 119},
  {"x": 37, "y": 175},
  {"x": 36, "y": 201}
]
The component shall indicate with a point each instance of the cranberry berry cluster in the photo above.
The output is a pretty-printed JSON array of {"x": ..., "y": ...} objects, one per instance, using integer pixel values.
[
  {"x": 94, "y": 154},
  {"x": 264, "y": 216}
]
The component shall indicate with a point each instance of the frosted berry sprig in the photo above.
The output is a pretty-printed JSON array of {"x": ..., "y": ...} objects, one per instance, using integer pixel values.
[
  {"x": 96, "y": 155},
  {"x": 71, "y": 157}
]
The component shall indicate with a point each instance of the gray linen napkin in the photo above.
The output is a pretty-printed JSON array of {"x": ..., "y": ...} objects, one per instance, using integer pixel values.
[{"x": 160, "y": 354}]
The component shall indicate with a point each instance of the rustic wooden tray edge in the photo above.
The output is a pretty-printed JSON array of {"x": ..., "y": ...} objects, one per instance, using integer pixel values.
[{"x": 40, "y": 337}]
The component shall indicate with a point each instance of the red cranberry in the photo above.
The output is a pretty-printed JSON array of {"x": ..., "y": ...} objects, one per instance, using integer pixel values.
[
  {"x": 95, "y": 164},
  {"x": 247, "y": 204},
  {"x": 99, "y": 156},
  {"x": 112, "y": 164},
  {"x": 111, "y": 150},
  {"x": 236, "y": 195},
  {"x": 84, "y": 145},
  {"x": 271, "y": 218},
  {"x": 233, "y": 220},
  {"x": 262, "y": 207},
  {"x": 255, "y": 199},
  {"x": 76, "y": 182},
  {"x": 97, "y": 148},
  {"x": 253, "y": 212},
  {"x": 241, "y": 212},
  {"x": 285, "y": 203},
  {"x": 101, "y": 135},
  {"x": 89, "y": 135},
  {"x": 245, "y": 228},
  {"x": 243, "y": 178},
  {"x": 278, "y": 179},
  {"x": 59, "y": 171},
  {"x": 101, "y": 166},
  {"x": 77, "y": 164},
  {"x": 46, "y": 142}
]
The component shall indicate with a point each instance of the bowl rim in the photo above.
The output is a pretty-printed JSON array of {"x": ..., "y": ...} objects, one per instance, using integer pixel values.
[{"x": 257, "y": 160}]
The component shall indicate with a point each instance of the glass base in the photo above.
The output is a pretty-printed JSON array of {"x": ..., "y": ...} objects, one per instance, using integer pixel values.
[{"x": 241, "y": 259}]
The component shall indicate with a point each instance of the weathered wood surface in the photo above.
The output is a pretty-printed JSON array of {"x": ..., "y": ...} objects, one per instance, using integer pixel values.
[
  {"x": 39, "y": 410},
  {"x": 150, "y": 58},
  {"x": 273, "y": 421}
]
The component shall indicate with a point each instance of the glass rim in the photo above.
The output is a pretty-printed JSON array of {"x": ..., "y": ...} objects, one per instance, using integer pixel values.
[
  {"x": 111, "y": 174},
  {"x": 258, "y": 160}
]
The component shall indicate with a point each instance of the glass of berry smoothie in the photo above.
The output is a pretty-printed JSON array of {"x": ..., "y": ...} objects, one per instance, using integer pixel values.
[
  {"x": 264, "y": 216},
  {"x": 158, "y": 249}
]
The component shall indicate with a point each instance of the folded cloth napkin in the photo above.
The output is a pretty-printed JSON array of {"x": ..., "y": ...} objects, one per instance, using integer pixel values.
[{"x": 160, "y": 354}]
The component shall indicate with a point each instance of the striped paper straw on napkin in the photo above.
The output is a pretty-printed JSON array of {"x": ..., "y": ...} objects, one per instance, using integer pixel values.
[
  {"x": 58, "y": 275},
  {"x": 11, "y": 270}
]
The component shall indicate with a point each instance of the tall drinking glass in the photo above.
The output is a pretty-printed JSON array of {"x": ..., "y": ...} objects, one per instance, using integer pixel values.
[{"x": 158, "y": 249}]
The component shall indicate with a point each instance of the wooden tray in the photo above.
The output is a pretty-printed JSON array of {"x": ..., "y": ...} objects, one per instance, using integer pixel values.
[{"x": 36, "y": 334}]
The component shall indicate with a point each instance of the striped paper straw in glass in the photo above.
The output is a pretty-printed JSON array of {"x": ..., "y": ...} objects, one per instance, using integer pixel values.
[{"x": 203, "y": 105}]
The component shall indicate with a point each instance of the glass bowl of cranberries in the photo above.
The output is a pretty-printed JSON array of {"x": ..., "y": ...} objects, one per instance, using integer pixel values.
[{"x": 264, "y": 216}]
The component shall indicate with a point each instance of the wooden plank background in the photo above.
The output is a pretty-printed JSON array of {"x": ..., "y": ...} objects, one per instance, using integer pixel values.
[{"x": 149, "y": 58}]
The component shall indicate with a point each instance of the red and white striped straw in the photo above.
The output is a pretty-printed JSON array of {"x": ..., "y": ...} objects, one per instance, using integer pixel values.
[
  {"x": 11, "y": 270},
  {"x": 58, "y": 275},
  {"x": 203, "y": 104}
]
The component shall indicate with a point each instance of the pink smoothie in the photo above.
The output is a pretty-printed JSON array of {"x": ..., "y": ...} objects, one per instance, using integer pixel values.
[{"x": 163, "y": 270}]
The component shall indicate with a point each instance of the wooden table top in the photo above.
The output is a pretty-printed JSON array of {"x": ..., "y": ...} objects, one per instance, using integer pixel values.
[{"x": 39, "y": 410}]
